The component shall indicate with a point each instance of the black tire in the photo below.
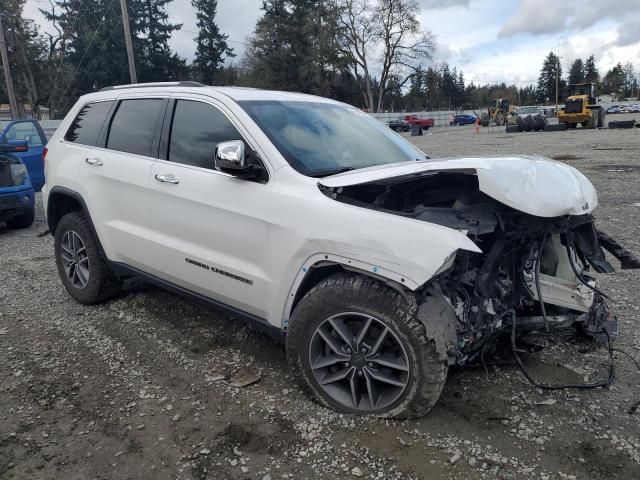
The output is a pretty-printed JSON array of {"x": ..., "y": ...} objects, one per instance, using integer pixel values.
[
  {"x": 541, "y": 121},
  {"x": 102, "y": 284},
  {"x": 601, "y": 115},
  {"x": 24, "y": 220},
  {"x": 555, "y": 127},
  {"x": 532, "y": 123},
  {"x": 522, "y": 124},
  {"x": 572, "y": 125},
  {"x": 427, "y": 371},
  {"x": 622, "y": 124},
  {"x": 593, "y": 121},
  {"x": 513, "y": 129}
]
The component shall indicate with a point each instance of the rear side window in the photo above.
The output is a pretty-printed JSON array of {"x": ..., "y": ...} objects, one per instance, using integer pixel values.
[
  {"x": 133, "y": 126},
  {"x": 85, "y": 128},
  {"x": 196, "y": 130}
]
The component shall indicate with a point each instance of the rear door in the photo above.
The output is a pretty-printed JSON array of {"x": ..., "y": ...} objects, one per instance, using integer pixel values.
[
  {"x": 209, "y": 236},
  {"x": 31, "y": 132},
  {"x": 115, "y": 177}
]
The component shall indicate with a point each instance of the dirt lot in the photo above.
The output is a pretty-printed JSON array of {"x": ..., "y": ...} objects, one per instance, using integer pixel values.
[{"x": 143, "y": 386}]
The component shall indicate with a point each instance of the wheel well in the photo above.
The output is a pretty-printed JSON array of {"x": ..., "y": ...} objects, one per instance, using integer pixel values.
[
  {"x": 58, "y": 205},
  {"x": 319, "y": 272},
  {"x": 316, "y": 275}
]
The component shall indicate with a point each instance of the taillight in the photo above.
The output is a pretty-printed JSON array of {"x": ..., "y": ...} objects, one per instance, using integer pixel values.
[{"x": 44, "y": 154}]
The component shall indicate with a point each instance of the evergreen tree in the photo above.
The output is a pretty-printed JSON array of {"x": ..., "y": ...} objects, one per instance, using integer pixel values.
[
  {"x": 630, "y": 81},
  {"x": 211, "y": 45},
  {"x": 154, "y": 59},
  {"x": 28, "y": 56},
  {"x": 576, "y": 72},
  {"x": 591, "y": 71},
  {"x": 614, "y": 81},
  {"x": 294, "y": 47},
  {"x": 547, "y": 80},
  {"x": 92, "y": 49}
]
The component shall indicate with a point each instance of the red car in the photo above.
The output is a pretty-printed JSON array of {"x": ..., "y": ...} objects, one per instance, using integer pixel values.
[{"x": 425, "y": 123}]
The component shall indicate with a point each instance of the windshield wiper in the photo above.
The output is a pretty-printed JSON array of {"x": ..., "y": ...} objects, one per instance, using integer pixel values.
[{"x": 326, "y": 173}]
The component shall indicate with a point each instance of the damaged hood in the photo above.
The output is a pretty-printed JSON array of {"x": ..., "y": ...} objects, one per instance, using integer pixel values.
[{"x": 534, "y": 185}]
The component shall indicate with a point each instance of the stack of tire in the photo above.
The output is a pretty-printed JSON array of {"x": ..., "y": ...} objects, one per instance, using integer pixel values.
[{"x": 534, "y": 123}]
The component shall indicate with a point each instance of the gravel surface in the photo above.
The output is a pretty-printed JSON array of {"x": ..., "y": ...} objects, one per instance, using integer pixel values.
[{"x": 152, "y": 386}]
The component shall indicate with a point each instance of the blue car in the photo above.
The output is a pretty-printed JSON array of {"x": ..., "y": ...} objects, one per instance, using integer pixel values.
[
  {"x": 16, "y": 193},
  {"x": 463, "y": 120},
  {"x": 31, "y": 132}
]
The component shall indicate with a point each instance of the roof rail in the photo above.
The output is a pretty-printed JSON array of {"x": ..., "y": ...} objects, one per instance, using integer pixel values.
[{"x": 154, "y": 84}]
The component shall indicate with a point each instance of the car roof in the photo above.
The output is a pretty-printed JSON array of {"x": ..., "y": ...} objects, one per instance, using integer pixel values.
[{"x": 237, "y": 94}]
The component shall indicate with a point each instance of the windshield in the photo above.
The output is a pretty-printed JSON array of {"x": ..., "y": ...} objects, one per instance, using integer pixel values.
[{"x": 319, "y": 139}]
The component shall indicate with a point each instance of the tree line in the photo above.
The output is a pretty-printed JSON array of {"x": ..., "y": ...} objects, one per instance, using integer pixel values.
[{"x": 373, "y": 54}]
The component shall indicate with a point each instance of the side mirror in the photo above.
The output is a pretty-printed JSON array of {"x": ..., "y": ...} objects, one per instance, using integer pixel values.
[
  {"x": 230, "y": 156},
  {"x": 14, "y": 146}
]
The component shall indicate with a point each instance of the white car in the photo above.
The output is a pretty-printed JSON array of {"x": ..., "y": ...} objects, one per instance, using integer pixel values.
[{"x": 378, "y": 267}]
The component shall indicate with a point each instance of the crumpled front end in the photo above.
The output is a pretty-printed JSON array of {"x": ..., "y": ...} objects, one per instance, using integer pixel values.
[
  {"x": 539, "y": 261},
  {"x": 534, "y": 275}
]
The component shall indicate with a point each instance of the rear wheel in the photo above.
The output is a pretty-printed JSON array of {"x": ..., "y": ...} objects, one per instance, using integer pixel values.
[
  {"x": 356, "y": 345},
  {"x": 81, "y": 264},
  {"x": 24, "y": 220}
]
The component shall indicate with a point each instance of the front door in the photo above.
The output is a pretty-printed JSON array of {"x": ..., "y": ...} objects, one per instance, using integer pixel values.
[
  {"x": 207, "y": 236},
  {"x": 28, "y": 131}
]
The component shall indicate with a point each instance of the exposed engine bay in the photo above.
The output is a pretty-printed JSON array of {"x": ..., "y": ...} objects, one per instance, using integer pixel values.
[{"x": 526, "y": 258}]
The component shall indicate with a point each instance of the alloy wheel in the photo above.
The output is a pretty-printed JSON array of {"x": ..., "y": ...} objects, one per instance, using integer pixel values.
[
  {"x": 358, "y": 361},
  {"x": 75, "y": 259}
]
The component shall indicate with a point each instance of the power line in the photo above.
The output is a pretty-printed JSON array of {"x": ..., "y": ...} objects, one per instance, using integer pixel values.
[
  {"x": 95, "y": 33},
  {"x": 53, "y": 85}
]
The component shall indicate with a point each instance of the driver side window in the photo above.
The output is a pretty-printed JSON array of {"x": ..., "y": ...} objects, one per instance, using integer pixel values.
[{"x": 196, "y": 129}]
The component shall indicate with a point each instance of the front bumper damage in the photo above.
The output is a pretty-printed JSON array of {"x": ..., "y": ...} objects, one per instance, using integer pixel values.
[{"x": 542, "y": 278}]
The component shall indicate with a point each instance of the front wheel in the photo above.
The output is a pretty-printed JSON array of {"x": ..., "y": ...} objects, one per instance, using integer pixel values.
[{"x": 356, "y": 345}]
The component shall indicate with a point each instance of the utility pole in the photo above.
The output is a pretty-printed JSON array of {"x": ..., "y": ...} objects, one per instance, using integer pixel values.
[
  {"x": 557, "y": 81},
  {"x": 127, "y": 39},
  {"x": 7, "y": 74}
]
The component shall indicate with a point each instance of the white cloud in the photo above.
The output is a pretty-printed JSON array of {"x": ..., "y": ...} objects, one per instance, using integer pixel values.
[{"x": 437, "y": 4}]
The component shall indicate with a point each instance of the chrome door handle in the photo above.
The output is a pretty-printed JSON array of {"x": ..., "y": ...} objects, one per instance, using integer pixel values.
[
  {"x": 93, "y": 161},
  {"x": 166, "y": 178}
]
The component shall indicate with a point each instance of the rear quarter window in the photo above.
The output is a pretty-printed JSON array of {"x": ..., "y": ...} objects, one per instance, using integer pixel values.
[{"x": 86, "y": 127}]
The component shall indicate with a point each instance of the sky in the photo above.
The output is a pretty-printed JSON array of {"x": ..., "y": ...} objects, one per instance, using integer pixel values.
[{"x": 489, "y": 40}]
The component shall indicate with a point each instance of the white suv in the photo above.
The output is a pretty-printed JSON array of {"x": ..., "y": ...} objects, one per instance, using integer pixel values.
[{"x": 378, "y": 267}]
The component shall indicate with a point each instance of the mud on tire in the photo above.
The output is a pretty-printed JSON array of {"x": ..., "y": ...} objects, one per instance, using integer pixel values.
[
  {"x": 101, "y": 283},
  {"x": 340, "y": 293}
]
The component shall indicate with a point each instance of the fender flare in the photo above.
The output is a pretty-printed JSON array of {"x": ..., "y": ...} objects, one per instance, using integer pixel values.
[
  {"x": 394, "y": 279},
  {"x": 83, "y": 205}
]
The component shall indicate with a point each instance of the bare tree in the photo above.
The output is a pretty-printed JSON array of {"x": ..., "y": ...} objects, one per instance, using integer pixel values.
[
  {"x": 405, "y": 44},
  {"x": 385, "y": 37},
  {"x": 357, "y": 34}
]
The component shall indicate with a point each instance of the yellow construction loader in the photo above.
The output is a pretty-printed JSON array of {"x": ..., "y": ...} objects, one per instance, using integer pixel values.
[
  {"x": 581, "y": 107},
  {"x": 498, "y": 112}
]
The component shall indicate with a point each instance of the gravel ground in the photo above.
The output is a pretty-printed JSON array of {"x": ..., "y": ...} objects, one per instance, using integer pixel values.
[{"x": 151, "y": 386}]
